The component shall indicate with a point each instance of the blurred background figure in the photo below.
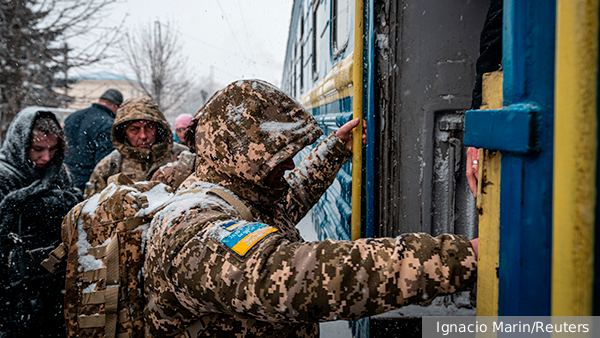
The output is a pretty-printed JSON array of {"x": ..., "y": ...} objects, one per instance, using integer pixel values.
[
  {"x": 36, "y": 192},
  {"x": 88, "y": 132},
  {"x": 181, "y": 123}
]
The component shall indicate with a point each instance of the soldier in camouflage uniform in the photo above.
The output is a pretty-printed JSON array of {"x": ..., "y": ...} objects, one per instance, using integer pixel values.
[
  {"x": 137, "y": 162},
  {"x": 234, "y": 265}
]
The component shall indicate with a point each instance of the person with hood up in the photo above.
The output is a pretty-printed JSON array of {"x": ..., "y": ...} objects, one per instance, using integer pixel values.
[
  {"x": 224, "y": 258},
  {"x": 143, "y": 143},
  {"x": 36, "y": 192}
]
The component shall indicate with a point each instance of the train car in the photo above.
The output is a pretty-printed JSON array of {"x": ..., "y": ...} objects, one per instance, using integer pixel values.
[{"x": 408, "y": 69}]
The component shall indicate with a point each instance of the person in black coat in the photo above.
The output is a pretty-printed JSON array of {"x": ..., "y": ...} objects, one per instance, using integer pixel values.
[
  {"x": 36, "y": 192},
  {"x": 88, "y": 132}
]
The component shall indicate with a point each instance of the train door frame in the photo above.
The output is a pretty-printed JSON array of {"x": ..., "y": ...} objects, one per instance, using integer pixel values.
[{"x": 523, "y": 131}]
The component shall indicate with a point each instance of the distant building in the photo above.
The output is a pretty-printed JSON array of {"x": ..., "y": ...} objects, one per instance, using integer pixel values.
[{"x": 89, "y": 87}]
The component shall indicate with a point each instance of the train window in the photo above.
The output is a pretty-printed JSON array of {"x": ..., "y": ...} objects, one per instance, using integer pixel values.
[
  {"x": 294, "y": 65},
  {"x": 341, "y": 25},
  {"x": 314, "y": 41},
  {"x": 301, "y": 42},
  {"x": 302, "y": 25}
]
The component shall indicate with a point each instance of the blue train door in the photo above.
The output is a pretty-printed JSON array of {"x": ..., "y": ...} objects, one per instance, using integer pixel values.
[{"x": 517, "y": 170}]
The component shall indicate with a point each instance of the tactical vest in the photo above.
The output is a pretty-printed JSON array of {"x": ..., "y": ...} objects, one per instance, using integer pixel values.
[{"x": 104, "y": 238}]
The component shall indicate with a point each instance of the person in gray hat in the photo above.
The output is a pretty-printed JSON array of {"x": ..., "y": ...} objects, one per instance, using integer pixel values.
[{"x": 88, "y": 134}]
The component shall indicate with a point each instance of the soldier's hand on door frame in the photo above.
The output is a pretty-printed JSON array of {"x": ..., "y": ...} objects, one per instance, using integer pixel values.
[
  {"x": 473, "y": 169},
  {"x": 345, "y": 132}
]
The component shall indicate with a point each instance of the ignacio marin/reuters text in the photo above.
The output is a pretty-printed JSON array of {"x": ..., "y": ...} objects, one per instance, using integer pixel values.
[{"x": 510, "y": 326}]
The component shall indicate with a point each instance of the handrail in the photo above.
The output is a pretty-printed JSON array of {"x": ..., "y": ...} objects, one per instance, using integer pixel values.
[{"x": 357, "y": 107}]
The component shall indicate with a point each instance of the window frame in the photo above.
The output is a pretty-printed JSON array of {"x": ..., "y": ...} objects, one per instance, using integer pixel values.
[
  {"x": 337, "y": 51},
  {"x": 315, "y": 72}
]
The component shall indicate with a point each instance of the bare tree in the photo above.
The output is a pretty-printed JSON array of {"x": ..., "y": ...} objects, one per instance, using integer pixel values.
[
  {"x": 153, "y": 55},
  {"x": 33, "y": 50}
]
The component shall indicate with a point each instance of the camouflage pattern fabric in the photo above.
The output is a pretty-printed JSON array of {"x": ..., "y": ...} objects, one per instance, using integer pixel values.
[
  {"x": 100, "y": 284},
  {"x": 137, "y": 163},
  {"x": 174, "y": 173},
  {"x": 258, "y": 278}
]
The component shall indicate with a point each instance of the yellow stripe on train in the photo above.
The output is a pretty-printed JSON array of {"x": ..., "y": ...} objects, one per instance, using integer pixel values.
[{"x": 336, "y": 85}]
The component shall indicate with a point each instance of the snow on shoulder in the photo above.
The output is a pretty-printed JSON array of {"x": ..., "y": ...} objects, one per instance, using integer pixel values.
[
  {"x": 197, "y": 196},
  {"x": 157, "y": 197}
]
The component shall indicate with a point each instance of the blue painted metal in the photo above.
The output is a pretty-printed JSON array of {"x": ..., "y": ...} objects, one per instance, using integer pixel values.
[
  {"x": 526, "y": 183},
  {"x": 514, "y": 39},
  {"x": 332, "y": 121},
  {"x": 343, "y": 105},
  {"x": 507, "y": 129},
  {"x": 369, "y": 117}
]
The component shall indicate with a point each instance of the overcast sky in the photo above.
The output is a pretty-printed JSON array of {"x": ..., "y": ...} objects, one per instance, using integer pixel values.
[{"x": 239, "y": 38}]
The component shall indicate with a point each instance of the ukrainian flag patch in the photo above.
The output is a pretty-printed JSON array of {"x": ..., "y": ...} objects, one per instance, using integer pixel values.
[{"x": 242, "y": 239}]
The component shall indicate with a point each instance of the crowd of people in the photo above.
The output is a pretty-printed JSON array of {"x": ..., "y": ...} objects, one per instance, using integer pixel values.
[{"x": 241, "y": 141}]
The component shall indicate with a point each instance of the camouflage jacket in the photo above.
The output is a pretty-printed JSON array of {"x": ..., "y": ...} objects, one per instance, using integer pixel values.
[
  {"x": 249, "y": 274},
  {"x": 174, "y": 173},
  {"x": 137, "y": 163}
]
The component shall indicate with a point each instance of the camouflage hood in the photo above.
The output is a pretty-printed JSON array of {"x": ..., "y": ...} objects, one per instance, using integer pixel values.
[
  {"x": 244, "y": 131},
  {"x": 141, "y": 109}
]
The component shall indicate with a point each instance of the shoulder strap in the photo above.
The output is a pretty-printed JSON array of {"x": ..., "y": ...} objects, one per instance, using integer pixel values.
[
  {"x": 68, "y": 227},
  {"x": 113, "y": 283},
  {"x": 241, "y": 208},
  {"x": 55, "y": 257}
]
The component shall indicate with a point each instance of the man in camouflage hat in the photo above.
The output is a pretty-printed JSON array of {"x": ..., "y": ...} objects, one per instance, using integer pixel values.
[
  {"x": 143, "y": 142},
  {"x": 225, "y": 259}
]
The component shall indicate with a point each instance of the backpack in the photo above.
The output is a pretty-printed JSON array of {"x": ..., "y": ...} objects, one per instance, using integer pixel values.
[{"x": 104, "y": 238}]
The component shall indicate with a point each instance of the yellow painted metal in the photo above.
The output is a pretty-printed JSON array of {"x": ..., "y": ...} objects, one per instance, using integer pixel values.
[
  {"x": 488, "y": 205},
  {"x": 336, "y": 85},
  {"x": 491, "y": 91},
  {"x": 358, "y": 131},
  {"x": 575, "y": 152}
]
